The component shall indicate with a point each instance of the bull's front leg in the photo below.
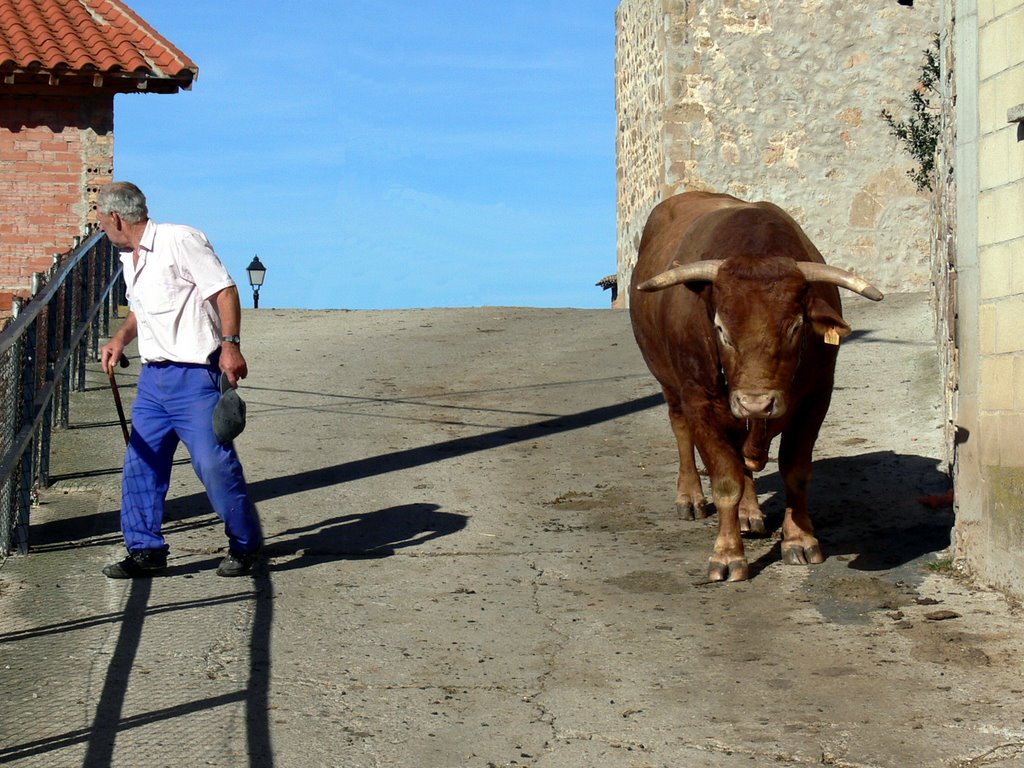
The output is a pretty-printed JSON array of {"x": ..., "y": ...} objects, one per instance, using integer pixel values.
[
  {"x": 691, "y": 503},
  {"x": 799, "y": 544},
  {"x": 728, "y": 561}
]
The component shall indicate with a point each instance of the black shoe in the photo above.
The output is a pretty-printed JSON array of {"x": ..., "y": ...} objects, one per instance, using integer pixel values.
[
  {"x": 237, "y": 563},
  {"x": 140, "y": 563}
]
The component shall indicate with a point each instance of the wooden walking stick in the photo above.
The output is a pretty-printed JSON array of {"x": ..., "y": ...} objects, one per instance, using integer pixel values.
[{"x": 123, "y": 362}]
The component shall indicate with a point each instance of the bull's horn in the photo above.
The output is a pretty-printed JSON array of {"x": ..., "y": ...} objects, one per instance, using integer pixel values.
[
  {"x": 698, "y": 271},
  {"x": 825, "y": 273}
]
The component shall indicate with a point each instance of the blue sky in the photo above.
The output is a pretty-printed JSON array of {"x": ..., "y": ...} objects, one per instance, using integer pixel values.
[{"x": 388, "y": 155}]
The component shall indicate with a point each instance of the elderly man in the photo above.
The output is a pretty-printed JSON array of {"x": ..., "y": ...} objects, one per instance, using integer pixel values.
[{"x": 185, "y": 313}]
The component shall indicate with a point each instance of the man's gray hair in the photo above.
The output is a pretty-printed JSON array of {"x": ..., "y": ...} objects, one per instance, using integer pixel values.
[{"x": 125, "y": 199}]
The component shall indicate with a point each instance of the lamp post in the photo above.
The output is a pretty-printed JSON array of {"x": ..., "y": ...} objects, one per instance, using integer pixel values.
[{"x": 256, "y": 272}]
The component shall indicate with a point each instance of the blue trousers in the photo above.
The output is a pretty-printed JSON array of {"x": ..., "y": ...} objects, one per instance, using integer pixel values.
[{"x": 175, "y": 404}]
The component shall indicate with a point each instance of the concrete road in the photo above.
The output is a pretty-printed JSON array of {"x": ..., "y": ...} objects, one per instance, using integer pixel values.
[{"x": 473, "y": 560}]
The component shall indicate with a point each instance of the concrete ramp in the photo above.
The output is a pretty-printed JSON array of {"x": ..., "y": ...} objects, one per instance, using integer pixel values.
[{"x": 473, "y": 561}]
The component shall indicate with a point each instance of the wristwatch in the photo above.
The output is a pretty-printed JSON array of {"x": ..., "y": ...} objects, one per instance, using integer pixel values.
[{"x": 233, "y": 339}]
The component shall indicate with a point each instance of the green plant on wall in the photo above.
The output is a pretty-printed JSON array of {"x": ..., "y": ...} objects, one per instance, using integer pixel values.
[{"x": 919, "y": 133}]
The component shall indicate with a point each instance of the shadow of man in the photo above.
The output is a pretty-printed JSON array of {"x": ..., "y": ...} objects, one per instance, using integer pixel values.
[{"x": 372, "y": 535}]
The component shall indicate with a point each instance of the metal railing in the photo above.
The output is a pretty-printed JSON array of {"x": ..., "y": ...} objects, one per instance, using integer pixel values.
[{"x": 43, "y": 354}]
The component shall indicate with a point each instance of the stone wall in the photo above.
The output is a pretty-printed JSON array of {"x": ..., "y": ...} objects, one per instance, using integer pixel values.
[
  {"x": 780, "y": 101},
  {"x": 640, "y": 149}
]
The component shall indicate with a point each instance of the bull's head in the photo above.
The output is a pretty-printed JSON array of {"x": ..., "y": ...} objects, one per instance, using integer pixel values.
[{"x": 763, "y": 313}]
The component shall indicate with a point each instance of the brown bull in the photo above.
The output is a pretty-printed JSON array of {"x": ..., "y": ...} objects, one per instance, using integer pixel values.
[{"x": 739, "y": 319}]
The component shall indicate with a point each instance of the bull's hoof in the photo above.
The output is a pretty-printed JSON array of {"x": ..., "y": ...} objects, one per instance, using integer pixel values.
[
  {"x": 734, "y": 570},
  {"x": 795, "y": 554},
  {"x": 753, "y": 522},
  {"x": 689, "y": 511}
]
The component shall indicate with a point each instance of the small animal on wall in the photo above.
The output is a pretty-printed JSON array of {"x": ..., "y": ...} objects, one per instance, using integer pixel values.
[{"x": 739, "y": 319}]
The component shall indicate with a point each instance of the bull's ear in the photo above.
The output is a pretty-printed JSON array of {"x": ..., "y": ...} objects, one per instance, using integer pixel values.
[{"x": 826, "y": 320}]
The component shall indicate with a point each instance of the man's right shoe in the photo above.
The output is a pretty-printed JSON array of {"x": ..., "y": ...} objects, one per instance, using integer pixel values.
[{"x": 140, "y": 563}]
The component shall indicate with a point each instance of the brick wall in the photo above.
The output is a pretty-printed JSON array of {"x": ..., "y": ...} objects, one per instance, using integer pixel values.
[
  {"x": 54, "y": 152},
  {"x": 774, "y": 100}
]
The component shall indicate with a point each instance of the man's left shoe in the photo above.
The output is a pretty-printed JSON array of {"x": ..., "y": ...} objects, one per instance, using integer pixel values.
[{"x": 237, "y": 563}]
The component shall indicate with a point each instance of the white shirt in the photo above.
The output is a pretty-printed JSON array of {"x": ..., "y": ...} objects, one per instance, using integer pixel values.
[{"x": 169, "y": 291}]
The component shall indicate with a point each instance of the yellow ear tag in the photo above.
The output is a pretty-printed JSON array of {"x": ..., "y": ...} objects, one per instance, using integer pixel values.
[{"x": 832, "y": 337}]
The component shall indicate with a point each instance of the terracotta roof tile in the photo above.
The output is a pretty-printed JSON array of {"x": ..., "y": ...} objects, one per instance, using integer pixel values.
[{"x": 53, "y": 40}]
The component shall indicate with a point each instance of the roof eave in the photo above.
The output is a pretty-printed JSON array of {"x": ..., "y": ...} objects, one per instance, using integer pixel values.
[{"x": 41, "y": 79}]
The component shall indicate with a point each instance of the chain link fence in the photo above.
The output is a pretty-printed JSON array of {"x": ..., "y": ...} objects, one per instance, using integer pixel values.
[{"x": 43, "y": 354}]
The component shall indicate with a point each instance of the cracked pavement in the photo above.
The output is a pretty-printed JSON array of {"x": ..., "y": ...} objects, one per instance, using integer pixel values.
[{"x": 473, "y": 560}]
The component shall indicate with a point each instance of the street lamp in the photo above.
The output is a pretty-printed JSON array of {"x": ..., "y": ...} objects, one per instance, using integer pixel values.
[{"x": 256, "y": 272}]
